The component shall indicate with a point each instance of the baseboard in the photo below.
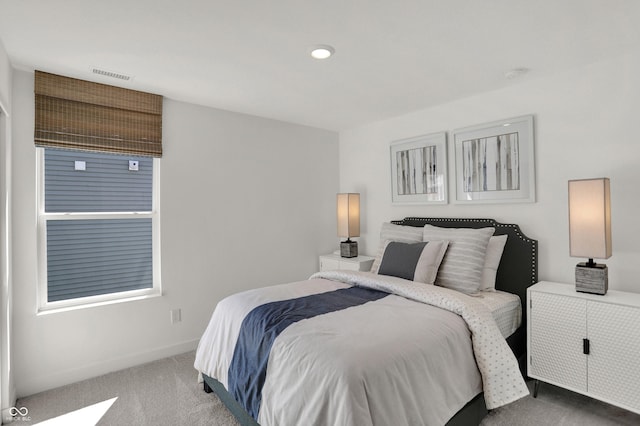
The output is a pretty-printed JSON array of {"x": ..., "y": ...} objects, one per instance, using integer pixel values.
[
  {"x": 7, "y": 414},
  {"x": 41, "y": 383}
]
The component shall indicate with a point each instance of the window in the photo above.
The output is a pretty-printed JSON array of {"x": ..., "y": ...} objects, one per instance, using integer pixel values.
[{"x": 98, "y": 227}]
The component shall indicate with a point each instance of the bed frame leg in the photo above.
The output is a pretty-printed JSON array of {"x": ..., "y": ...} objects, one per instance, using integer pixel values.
[
  {"x": 536, "y": 386},
  {"x": 206, "y": 387}
]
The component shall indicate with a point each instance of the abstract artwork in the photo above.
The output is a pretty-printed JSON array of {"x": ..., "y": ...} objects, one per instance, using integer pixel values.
[
  {"x": 494, "y": 162},
  {"x": 491, "y": 164},
  {"x": 419, "y": 169}
]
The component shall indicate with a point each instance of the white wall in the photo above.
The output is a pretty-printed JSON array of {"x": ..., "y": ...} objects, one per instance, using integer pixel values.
[
  {"x": 586, "y": 126},
  {"x": 7, "y": 389},
  {"x": 245, "y": 202},
  {"x": 5, "y": 78}
]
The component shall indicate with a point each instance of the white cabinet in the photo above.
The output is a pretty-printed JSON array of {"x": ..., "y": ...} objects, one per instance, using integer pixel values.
[
  {"x": 332, "y": 262},
  {"x": 586, "y": 343},
  {"x": 558, "y": 327},
  {"x": 614, "y": 363}
]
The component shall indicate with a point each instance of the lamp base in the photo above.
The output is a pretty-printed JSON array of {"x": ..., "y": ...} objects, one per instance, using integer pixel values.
[
  {"x": 349, "y": 248},
  {"x": 592, "y": 278}
]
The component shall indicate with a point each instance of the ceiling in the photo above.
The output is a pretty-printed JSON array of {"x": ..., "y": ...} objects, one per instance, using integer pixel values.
[{"x": 391, "y": 56}]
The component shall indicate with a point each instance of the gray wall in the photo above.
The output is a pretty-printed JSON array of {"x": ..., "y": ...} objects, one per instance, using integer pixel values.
[{"x": 245, "y": 202}]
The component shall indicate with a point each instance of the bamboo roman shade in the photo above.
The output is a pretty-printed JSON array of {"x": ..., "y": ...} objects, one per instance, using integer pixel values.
[{"x": 81, "y": 115}]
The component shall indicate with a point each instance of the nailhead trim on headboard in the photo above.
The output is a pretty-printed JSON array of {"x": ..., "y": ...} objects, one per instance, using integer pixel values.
[{"x": 514, "y": 230}]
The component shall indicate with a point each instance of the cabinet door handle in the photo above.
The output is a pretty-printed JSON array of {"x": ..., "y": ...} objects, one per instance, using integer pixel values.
[{"x": 585, "y": 346}]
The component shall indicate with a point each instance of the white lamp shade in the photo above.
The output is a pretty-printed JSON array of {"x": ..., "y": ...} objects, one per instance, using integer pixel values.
[
  {"x": 590, "y": 218},
  {"x": 348, "y": 210}
]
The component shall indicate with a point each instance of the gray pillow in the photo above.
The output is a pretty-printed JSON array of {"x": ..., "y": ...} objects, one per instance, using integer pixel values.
[
  {"x": 462, "y": 266},
  {"x": 416, "y": 262},
  {"x": 392, "y": 232}
]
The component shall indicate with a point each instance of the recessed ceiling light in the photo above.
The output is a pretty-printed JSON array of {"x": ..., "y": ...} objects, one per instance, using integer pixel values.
[{"x": 322, "y": 51}]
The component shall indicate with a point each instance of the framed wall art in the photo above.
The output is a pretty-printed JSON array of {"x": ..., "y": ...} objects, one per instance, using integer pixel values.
[
  {"x": 419, "y": 170},
  {"x": 495, "y": 162}
]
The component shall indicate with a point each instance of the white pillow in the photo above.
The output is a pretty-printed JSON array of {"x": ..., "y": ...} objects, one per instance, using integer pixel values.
[
  {"x": 492, "y": 261},
  {"x": 392, "y": 232},
  {"x": 461, "y": 268},
  {"x": 412, "y": 261}
]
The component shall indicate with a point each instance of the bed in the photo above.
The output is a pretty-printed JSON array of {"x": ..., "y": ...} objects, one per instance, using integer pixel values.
[{"x": 371, "y": 360}]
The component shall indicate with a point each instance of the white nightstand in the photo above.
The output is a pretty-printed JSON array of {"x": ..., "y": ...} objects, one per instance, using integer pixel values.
[
  {"x": 332, "y": 262},
  {"x": 585, "y": 343}
]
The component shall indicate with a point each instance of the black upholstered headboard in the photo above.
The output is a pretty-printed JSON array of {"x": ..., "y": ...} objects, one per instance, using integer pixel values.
[{"x": 519, "y": 264}]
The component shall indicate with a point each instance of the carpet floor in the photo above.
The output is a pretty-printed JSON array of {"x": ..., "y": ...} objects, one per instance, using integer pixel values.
[{"x": 166, "y": 392}]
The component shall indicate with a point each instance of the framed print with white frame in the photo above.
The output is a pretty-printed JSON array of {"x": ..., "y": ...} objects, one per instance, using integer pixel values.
[
  {"x": 419, "y": 170},
  {"x": 495, "y": 162}
]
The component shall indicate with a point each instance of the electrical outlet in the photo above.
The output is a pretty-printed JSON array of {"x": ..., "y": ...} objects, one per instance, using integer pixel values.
[{"x": 176, "y": 315}]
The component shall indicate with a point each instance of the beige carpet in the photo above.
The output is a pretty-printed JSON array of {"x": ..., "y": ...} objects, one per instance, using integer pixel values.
[
  {"x": 558, "y": 407},
  {"x": 165, "y": 392}
]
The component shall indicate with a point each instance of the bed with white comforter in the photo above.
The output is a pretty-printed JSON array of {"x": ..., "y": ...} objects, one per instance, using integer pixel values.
[{"x": 415, "y": 355}]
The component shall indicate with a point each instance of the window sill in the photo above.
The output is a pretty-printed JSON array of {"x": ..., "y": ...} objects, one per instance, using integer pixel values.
[{"x": 93, "y": 302}]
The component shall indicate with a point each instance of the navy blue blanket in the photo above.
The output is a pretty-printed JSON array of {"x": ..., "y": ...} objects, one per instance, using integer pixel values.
[{"x": 263, "y": 324}]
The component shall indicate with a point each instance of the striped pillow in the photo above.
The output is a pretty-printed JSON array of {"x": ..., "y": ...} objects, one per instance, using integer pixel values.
[
  {"x": 461, "y": 268},
  {"x": 391, "y": 232}
]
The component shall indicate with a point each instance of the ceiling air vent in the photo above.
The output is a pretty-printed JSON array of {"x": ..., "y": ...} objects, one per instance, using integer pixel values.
[{"x": 111, "y": 74}]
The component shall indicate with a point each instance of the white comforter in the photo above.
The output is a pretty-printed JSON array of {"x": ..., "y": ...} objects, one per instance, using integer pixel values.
[{"x": 396, "y": 360}]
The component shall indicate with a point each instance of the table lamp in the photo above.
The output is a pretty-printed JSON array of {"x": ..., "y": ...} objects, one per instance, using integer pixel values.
[
  {"x": 590, "y": 232},
  {"x": 348, "y": 211}
]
